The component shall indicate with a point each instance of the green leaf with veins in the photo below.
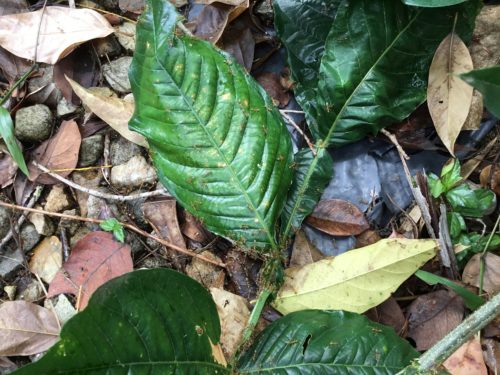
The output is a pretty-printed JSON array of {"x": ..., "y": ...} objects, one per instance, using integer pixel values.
[
  {"x": 7, "y": 133},
  {"x": 113, "y": 225},
  {"x": 218, "y": 143},
  {"x": 487, "y": 82},
  {"x": 469, "y": 202}
]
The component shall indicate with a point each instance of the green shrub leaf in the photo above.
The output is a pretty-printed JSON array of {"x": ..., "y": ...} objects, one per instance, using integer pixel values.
[
  {"x": 148, "y": 321},
  {"x": 469, "y": 202},
  {"x": 326, "y": 342},
  {"x": 218, "y": 143},
  {"x": 7, "y": 133},
  {"x": 487, "y": 82},
  {"x": 432, "y": 3}
]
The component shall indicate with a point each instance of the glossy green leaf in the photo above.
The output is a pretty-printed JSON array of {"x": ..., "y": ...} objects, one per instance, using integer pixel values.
[
  {"x": 487, "y": 82},
  {"x": 450, "y": 174},
  {"x": 432, "y": 3},
  {"x": 305, "y": 43},
  {"x": 312, "y": 174},
  {"x": 7, "y": 133},
  {"x": 326, "y": 342},
  {"x": 114, "y": 226},
  {"x": 435, "y": 185},
  {"x": 218, "y": 143},
  {"x": 476, "y": 243},
  {"x": 144, "y": 322},
  {"x": 374, "y": 69},
  {"x": 472, "y": 301},
  {"x": 456, "y": 224},
  {"x": 469, "y": 202}
]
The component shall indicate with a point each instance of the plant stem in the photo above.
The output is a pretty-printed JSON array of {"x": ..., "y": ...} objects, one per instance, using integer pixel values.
[
  {"x": 453, "y": 340},
  {"x": 17, "y": 83},
  {"x": 255, "y": 315}
]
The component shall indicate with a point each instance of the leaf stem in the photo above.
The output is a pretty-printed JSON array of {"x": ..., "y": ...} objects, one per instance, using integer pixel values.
[{"x": 17, "y": 84}]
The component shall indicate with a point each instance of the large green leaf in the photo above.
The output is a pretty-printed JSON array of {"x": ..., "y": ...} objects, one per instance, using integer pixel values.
[
  {"x": 7, "y": 133},
  {"x": 304, "y": 42},
  {"x": 487, "y": 82},
  {"x": 218, "y": 143},
  {"x": 144, "y": 322},
  {"x": 375, "y": 66},
  {"x": 432, "y": 3},
  {"x": 312, "y": 174},
  {"x": 326, "y": 342}
]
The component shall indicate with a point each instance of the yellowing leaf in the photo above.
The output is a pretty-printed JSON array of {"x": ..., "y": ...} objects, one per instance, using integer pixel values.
[
  {"x": 448, "y": 97},
  {"x": 354, "y": 281},
  {"x": 62, "y": 30},
  {"x": 114, "y": 111}
]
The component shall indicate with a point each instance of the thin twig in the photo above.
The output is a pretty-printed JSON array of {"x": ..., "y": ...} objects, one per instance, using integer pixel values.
[
  {"x": 39, "y": 29},
  {"x": 395, "y": 142},
  {"x": 99, "y": 194},
  {"x": 292, "y": 111},
  {"x": 48, "y": 300},
  {"x": 483, "y": 256},
  {"x": 301, "y": 132},
  {"x": 34, "y": 198},
  {"x": 184, "y": 29},
  {"x": 125, "y": 225}
]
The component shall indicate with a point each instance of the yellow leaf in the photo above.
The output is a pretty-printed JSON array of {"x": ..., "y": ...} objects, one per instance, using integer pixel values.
[
  {"x": 115, "y": 112},
  {"x": 354, "y": 281},
  {"x": 448, "y": 97},
  {"x": 62, "y": 29}
]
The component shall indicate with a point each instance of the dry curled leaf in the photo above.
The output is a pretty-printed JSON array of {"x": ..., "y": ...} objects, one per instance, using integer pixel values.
[
  {"x": 114, "y": 111},
  {"x": 466, "y": 360},
  {"x": 62, "y": 30},
  {"x": 338, "y": 218},
  {"x": 58, "y": 154},
  {"x": 303, "y": 252},
  {"x": 491, "y": 180},
  {"x": 271, "y": 82},
  {"x": 94, "y": 260},
  {"x": 26, "y": 328},
  {"x": 449, "y": 98}
]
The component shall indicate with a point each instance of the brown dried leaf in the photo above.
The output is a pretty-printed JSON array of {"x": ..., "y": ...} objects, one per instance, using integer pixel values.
[
  {"x": 193, "y": 229},
  {"x": 60, "y": 152},
  {"x": 212, "y": 21},
  {"x": 26, "y": 328},
  {"x": 13, "y": 7},
  {"x": 468, "y": 359},
  {"x": 62, "y": 30},
  {"x": 303, "y": 251},
  {"x": 390, "y": 314},
  {"x": 244, "y": 273},
  {"x": 233, "y": 313},
  {"x": 432, "y": 316},
  {"x": 491, "y": 354},
  {"x": 47, "y": 258},
  {"x": 114, "y": 111},
  {"x": 240, "y": 44},
  {"x": 8, "y": 167},
  {"x": 448, "y": 97},
  {"x": 338, "y": 218},
  {"x": 271, "y": 82},
  {"x": 368, "y": 237},
  {"x": 134, "y": 6},
  {"x": 491, "y": 180},
  {"x": 491, "y": 280},
  {"x": 205, "y": 273},
  {"x": 11, "y": 66},
  {"x": 94, "y": 260}
]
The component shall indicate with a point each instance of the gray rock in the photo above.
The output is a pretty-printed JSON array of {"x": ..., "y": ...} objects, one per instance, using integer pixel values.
[
  {"x": 484, "y": 48},
  {"x": 116, "y": 74},
  {"x": 57, "y": 200},
  {"x": 125, "y": 34},
  {"x": 63, "y": 308},
  {"x": 91, "y": 150},
  {"x": 122, "y": 151},
  {"x": 134, "y": 242},
  {"x": 70, "y": 225},
  {"x": 64, "y": 108},
  {"x": 43, "y": 224},
  {"x": 264, "y": 9},
  {"x": 133, "y": 174},
  {"x": 34, "y": 123},
  {"x": 29, "y": 236},
  {"x": 4, "y": 221},
  {"x": 32, "y": 293},
  {"x": 10, "y": 262},
  {"x": 79, "y": 234},
  {"x": 43, "y": 89}
]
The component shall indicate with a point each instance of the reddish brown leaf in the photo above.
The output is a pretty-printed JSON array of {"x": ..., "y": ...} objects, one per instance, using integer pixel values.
[
  {"x": 432, "y": 316},
  {"x": 390, "y": 314},
  {"x": 26, "y": 328},
  {"x": 240, "y": 44},
  {"x": 368, "y": 237},
  {"x": 491, "y": 180},
  {"x": 193, "y": 229},
  {"x": 271, "y": 82},
  {"x": 468, "y": 359},
  {"x": 303, "y": 251},
  {"x": 8, "y": 168},
  {"x": 134, "y": 6},
  {"x": 58, "y": 152},
  {"x": 338, "y": 218},
  {"x": 94, "y": 260},
  {"x": 212, "y": 21},
  {"x": 491, "y": 276}
]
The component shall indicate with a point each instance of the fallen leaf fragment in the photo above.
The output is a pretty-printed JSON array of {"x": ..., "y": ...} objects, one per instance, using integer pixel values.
[
  {"x": 491, "y": 279},
  {"x": 491, "y": 180},
  {"x": 58, "y": 153},
  {"x": 62, "y": 29},
  {"x": 47, "y": 258},
  {"x": 338, "y": 218},
  {"x": 303, "y": 252},
  {"x": 389, "y": 313},
  {"x": 468, "y": 359},
  {"x": 432, "y": 316},
  {"x": 212, "y": 21},
  {"x": 233, "y": 313},
  {"x": 26, "y": 328},
  {"x": 356, "y": 280},
  {"x": 94, "y": 260},
  {"x": 491, "y": 354},
  {"x": 272, "y": 84},
  {"x": 448, "y": 97},
  {"x": 114, "y": 111}
]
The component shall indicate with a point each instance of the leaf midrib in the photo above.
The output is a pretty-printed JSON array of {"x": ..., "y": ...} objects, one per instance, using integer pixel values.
[
  {"x": 328, "y": 365},
  {"x": 219, "y": 151}
]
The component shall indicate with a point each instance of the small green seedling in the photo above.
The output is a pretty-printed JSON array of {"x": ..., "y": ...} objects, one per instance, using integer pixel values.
[{"x": 114, "y": 226}]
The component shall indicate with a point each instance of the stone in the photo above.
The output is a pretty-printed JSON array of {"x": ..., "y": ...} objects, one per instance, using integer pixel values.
[
  {"x": 29, "y": 236},
  {"x": 122, "y": 150},
  {"x": 485, "y": 48},
  {"x": 43, "y": 224},
  {"x": 116, "y": 74},
  {"x": 70, "y": 225},
  {"x": 79, "y": 234},
  {"x": 10, "y": 290},
  {"x": 64, "y": 108},
  {"x": 5, "y": 222},
  {"x": 125, "y": 33},
  {"x": 43, "y": 89},
  {"x": 475, "y": 115},
  {"x": 91, "y": 150},
  {"x": 33, "y": 123},
  {"x": 63, "y": 308},
  {"x": 264, "y": 10},
  {"x": 57, "y": 200},
  {"x": 10, "y": 262},
  {"x": 133, "y": 174},
  {"x": 32, "y": 293}
]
